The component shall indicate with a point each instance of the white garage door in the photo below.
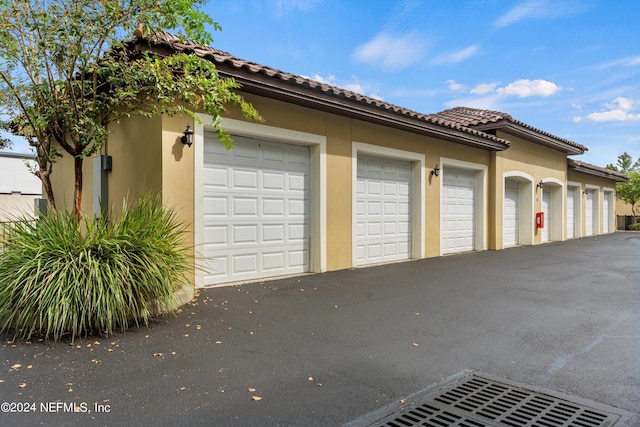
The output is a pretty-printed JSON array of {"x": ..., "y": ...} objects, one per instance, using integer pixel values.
[
  {"x": 571, "y": 209},
  {"x": 589, "y": 213},
  {"x": 383, "y": 210},
  {"x": 605, "y": 213},
  {"x": 546, "y": 210},
  {"x": 256, "y": 209},
  {"x": 511, "y": 208},
  {"x": 458, "y": 210}
]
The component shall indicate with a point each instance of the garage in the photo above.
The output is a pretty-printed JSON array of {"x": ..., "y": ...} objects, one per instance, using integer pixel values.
[
  {"x": 589, "y": 209},
  {"x": 256, "y": 209},
  {"x": 383, "y": 209},
  {"x": 511, "y": 210},
  {"x": 571, "y": 212},
  {"x": 605, "y": 212},
  {"x": 546, "y": 210},
  {"x": 458, "y": 210}
]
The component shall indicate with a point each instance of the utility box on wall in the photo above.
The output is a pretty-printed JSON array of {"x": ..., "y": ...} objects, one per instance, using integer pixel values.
[{"x": 101, "y": 166}]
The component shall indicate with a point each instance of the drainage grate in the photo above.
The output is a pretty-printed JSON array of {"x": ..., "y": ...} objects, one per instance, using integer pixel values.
[{"x": 475, "y": 401}]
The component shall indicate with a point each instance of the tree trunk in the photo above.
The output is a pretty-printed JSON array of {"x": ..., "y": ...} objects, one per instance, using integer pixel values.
[
  {"x": 48, "y": 189},
  {"x": 77, "y": 190}
]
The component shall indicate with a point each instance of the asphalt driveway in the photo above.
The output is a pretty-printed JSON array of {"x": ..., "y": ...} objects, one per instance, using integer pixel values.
[{"x": 329, "y": 348}]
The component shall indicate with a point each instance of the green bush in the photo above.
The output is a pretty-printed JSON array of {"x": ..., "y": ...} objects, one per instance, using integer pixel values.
[
  {"x": 62, "y": 277},
  {"x": 635, "y": 227}
]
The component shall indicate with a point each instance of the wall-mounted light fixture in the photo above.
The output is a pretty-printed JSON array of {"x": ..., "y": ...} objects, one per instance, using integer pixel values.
[
  {"x": 540, "y": 184},
  {"x": 186, "y": 137},
  {"x": 436, "y": 170},
  {"x": 586, "y": 191}
]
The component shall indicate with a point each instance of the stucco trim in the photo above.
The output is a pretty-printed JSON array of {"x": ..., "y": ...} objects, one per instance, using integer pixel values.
[
  {"x": 418, "y": 191},
  {"x": 481, "y": 209},
  {"x": 609, "y": 192},
  {"x": 576, "y": 187},
  {"x": 558, "y": 198},
  {"x": 597, "y": 219},
  {"x": 318, "y": 147}
]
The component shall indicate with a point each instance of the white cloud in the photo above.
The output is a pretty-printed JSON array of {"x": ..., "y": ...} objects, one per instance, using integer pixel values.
[
  {"x": 455, "y": 86},
  {"x": 483, "y": 88},
  {"x": 457, "y": 56},
  {"x": 541, "y": 9},
  {"x": 392, "y": 52},
  {"x": 525, "y": 88},
  {"x": 619, "y": 110}
]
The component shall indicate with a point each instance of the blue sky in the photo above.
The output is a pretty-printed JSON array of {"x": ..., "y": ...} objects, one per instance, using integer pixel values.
[{"x": 568, "y": 67}]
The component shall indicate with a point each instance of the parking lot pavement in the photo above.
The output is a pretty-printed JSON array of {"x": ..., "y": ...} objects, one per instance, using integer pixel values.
[{"x": 325, "y": 349}]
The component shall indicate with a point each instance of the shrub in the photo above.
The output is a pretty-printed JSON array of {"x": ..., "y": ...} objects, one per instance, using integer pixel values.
[
  {"x": 635, "y": 227},
  {"x": 59, "y": 276}
]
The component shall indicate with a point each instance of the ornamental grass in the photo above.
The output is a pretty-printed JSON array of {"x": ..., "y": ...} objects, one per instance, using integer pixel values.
[{"x": 63, "y": 277}]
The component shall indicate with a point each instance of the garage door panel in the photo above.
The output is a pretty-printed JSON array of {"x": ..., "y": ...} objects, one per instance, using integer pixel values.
[
  {"x": 256, "y": 209},
  {"x": 382, "y": 205},
  {"x": 458, "y": 210}
]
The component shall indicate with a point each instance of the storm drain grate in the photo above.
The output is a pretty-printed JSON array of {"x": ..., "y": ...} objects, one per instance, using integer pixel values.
[{"x": 476, "y": 401}]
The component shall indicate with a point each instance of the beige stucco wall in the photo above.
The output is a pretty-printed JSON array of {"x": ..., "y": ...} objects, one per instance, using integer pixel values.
[
  {"x": 623, "y": 208},
  {"x": 540, "y": 164},
  {"x": 604, "y": 187}
]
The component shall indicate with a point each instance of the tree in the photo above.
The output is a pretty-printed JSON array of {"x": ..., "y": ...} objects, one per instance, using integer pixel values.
[
  {"x": 66, "y": 74},
  {"x": 628, "y": 191},
  {"x": 625, "y": 164}
]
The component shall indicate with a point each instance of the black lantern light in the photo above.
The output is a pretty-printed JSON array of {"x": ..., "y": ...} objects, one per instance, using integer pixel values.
[
  {"x": 186, "y": 137},
  {"x": 436, "y": 170}
]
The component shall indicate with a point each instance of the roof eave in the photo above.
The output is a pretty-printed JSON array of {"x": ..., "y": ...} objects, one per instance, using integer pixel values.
[
  {"x": 313, "y": 98},
  {"x": 592, "y": 172},
  {"x": 261, "y": 84},
  {"x": 522, "y": 131}
]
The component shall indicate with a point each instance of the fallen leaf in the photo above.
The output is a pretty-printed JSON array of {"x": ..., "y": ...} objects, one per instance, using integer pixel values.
[
  {"x": 415, "y": 344},
  {"x": 96, "y": 361},
  {"x": 218, "y": 342},
  {"x": 110, "y": 350},
  {"x": 70, "y": 390},
  {"x": 310, "y": 378},
  {"x": 22, "y": 385},
  {"x": 402, "y": 401},
  {"x": 1, "y": 381},
  {"x": 251, "y": 389},
  {"x": 16, "y": 366},
  {"x": 256, "y": 398},
  {"x": 173, "y": 353},
  {"x": 158, "y": 354},
  {"x": 198, "y": 327},
  {"x": 186, "y": 335}
]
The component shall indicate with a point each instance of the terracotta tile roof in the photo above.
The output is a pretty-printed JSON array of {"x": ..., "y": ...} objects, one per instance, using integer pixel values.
[
  {"x": 590, "y": 169},
  {"x": 488, "y": 119},
  {"x": 165, "y": 43}
]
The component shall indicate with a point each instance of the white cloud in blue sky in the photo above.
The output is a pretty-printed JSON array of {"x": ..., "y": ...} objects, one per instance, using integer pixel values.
[
  {"x": 456, "y": 56},
  {"x": 619, "y": 110},
  {"x": 526, "y": 88},
  {"x": 392, "y": 52},
  {"x": 540, "y": 9}
]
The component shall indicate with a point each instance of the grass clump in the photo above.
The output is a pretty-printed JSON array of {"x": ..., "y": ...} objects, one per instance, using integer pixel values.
[{"x": 60, "y": 276}]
